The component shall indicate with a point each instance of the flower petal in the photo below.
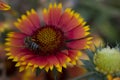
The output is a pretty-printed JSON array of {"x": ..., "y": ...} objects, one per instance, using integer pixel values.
[
  {"x": 34, "y": 18},
  {"x": 15, "y": 39},
  {"x": 69, "y": 20},
  {"x": 18, "y": 52},
  {"x": 15, "y": 42},
  {"x": 74, "y": 22},
  {"x": 41, "y": 61},
  {"x": 65, "y": 18},
  {"x": 74, "y": 55},
  {"x": 53, "y": 60},
  {"x": 16, "y": 35},
  {"x": 77, "y": 33},
  {"x": 63, "y": 58},
  {"x": 4, "y": 6},
  {"x": 45, "y": 15},
  {"x": 52, "y": 16},
  {"x": 22, "y": 27},
  {"x": 28, "y": 24},
  {"x": 79, "y": 44}
]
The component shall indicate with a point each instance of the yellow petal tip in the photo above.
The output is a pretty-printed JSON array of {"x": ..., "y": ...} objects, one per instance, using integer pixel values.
[
  {"x": 60, "y": 5},
  {"x": 17, "y": 64},
  {"x": 21, "y": 69}
]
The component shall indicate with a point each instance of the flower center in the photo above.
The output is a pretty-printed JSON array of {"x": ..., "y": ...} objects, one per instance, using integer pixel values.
[{"x": 49, "y": 39}]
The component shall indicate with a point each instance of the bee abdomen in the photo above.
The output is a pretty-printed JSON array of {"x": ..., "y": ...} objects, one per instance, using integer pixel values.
[
  {"x": 34, "y": 46},
  {"x": 31, "y": 44}
]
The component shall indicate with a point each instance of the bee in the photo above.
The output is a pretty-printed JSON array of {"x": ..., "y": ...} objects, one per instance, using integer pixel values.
[{"x": 29, "y": 43}]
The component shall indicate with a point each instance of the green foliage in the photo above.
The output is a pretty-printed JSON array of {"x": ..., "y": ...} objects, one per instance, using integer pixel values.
[
  {"x": 38, "y": 71},
  {"x": 55, "y": 72},
  {"x": 90, "y": 66},
  {"x": 103, "y": 16}
]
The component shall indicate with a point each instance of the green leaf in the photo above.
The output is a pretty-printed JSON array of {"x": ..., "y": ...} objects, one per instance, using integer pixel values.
[
  {"x": 55, "y": 73},
  {"x": 38, "y": 71},
  {"x": 88, "y": 65},
  {"x": 90, "y": 54}
]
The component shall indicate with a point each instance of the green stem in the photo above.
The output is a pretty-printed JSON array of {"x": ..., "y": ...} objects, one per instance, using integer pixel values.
[{"x": 84, "y": 76}]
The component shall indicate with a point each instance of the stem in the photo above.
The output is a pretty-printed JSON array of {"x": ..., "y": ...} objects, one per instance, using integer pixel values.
[{"x": 84, "y": 76}]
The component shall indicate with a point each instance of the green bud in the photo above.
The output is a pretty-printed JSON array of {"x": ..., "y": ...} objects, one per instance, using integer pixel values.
[{"x": 107, "y": 60}]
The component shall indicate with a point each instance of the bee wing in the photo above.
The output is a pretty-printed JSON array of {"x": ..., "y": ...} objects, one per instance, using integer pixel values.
[{"x": 4, "y": 6}]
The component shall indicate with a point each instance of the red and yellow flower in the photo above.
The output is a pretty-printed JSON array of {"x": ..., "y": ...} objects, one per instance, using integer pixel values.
[
  {"x": 4, "y": 6},
  {"x": 60, "y": 39}
]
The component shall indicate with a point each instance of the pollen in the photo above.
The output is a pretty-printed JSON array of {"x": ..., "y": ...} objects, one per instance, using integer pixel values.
[{"x": 46, "y": 35}]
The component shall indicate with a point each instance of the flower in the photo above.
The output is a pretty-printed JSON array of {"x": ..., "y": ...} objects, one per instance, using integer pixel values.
[
  {"x": 107, "y": 60},
  {"x": 51, "y": 45},
  {"x": 4, "y": 6},
  {"x": 103, "y": 62}
]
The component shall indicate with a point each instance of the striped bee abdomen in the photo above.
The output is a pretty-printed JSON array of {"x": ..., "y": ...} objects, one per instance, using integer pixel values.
[{"x": 31, "y": 44}]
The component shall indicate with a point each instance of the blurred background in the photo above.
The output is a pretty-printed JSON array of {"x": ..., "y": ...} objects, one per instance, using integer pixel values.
[{"x": 103, "y": 16}]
